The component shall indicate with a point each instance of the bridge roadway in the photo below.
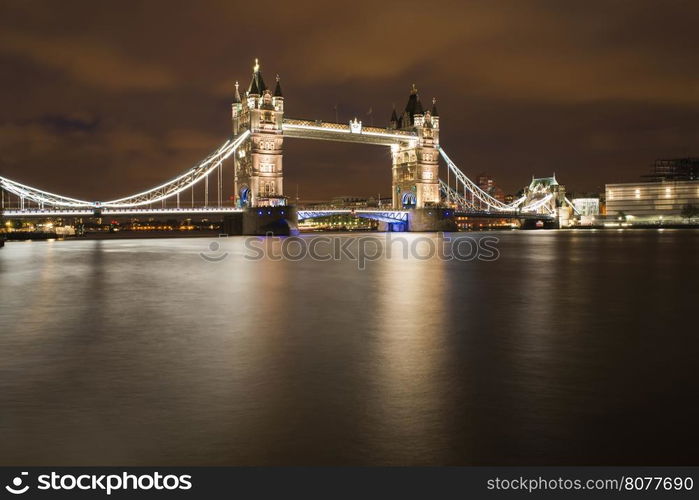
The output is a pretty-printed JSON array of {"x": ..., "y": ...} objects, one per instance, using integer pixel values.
[
  {"x": 402, "y": 215},
  {"x": 378, "y": 214},
  {"x": 38, "y": 213}
]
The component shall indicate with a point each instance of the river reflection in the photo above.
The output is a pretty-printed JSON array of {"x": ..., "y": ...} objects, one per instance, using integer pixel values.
[{"x": 563, "y": 351}]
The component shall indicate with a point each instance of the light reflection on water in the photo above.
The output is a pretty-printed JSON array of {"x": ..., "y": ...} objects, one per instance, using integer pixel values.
[{"x": 564, "y": 351}]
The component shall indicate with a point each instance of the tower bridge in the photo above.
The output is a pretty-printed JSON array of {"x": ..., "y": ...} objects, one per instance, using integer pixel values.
[{"x": 421, "y": 199}]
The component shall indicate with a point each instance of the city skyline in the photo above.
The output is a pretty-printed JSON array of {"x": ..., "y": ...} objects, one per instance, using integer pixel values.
[{"x": 551, "y": 89}]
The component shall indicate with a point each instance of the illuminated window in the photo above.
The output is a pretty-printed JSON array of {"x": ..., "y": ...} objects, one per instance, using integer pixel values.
[{"x": 638, "y": 193}]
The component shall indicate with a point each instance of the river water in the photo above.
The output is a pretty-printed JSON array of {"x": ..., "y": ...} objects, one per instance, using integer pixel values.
[{"x": 573, "y": 347}]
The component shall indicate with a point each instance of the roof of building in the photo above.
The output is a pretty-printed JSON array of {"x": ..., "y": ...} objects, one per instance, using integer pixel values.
[{"x": 544, "y": 181}]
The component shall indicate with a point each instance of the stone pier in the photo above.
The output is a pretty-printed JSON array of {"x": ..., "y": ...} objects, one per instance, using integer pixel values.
[
  {"x": 431, "y": 219},
  {"x": 261, "y": 221}
]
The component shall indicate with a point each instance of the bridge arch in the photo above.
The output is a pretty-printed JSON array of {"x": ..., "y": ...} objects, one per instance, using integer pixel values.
[
  {"x": 408, "y": 199},
  {"x": 244, "y": 196}
]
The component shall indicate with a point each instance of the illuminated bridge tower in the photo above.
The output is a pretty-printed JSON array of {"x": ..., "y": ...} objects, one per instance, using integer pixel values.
[
  {"x": 259, "y": 175},
  {"x": 415, "y": 164}
]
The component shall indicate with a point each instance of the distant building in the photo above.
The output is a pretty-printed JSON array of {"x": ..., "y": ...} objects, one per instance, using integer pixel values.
[
  {"x": 651, "y": 201},
  {"x": 586, "y": 206},
  {"x": 546, "y": 193},
  {"x": 349, "y": 201},
  {"x": 588, "y": 209},
  {"x": 487, "y": 184},
  {"x": 677, "y": 169}
]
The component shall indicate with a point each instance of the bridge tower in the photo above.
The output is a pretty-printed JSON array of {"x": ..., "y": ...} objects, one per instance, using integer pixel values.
[
  {"x": 415, "y": 163},
  {"x": 259, "y": 174}
]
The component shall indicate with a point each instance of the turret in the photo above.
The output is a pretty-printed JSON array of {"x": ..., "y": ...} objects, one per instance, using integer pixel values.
[
  {"x": 237, "y": 110},
  {"x": 419, "y": 115},
  {"x": 394, "y": 119},
  {"x": 278, "y": 98},
  {"x": 236, "y": 99},
  {"x": 435, "y": 113}
]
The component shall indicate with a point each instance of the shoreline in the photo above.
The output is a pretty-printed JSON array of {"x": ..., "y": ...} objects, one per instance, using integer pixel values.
[{"x": 136, "y": 235}]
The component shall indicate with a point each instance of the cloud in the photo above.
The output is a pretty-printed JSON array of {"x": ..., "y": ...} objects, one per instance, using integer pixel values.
[
  {"x": 87, "y": 61},
  {"x": 72, "y": 122},
  {"x": 538, "y": 51}
]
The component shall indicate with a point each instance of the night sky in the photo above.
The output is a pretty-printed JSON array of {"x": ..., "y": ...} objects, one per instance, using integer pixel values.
[{"x": 99, "y": 98}]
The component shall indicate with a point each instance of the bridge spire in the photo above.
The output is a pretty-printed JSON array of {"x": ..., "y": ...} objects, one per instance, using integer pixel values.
[
  {"x": 278, "y": 89},
  {"x": 412, "y": 108},
  {"x": 237, "y": 99},
  {"x": 252, "y": 88},
  {"x": 418, "y": 106},
  {"x": 434, "y": 107},
  {"x": 394, "y": 118},
  {"x": 257, "y": 84}
]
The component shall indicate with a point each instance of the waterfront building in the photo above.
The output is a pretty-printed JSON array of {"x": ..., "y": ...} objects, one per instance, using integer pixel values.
[{"x": 652, "y": 201}]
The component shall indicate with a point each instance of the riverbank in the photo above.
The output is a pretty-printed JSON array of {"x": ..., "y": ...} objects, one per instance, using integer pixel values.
[
  {"x": 144, "y": 235},
  {"x": 638, "y": 226},
  {"x": 120, "y": 235}
]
